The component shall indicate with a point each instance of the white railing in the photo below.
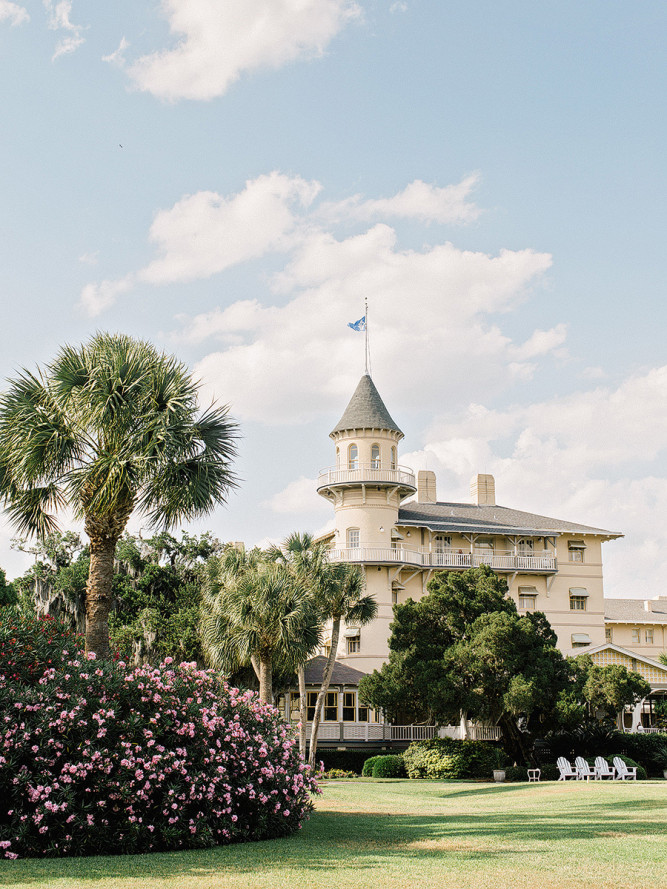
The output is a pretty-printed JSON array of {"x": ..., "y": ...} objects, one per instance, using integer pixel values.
[
  {"x": 413, "y": 732},
  {"x": 383, "y": 731},
  {"x": 648, "y": 730},
  {"x": 366, "y": 473},
  {"x": 450, "y": 559}
]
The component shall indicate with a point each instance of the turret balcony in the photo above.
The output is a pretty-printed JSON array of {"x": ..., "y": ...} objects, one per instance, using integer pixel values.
[
  {"x": 534, "y": 563},
  {"x": 367, "y": 474}
]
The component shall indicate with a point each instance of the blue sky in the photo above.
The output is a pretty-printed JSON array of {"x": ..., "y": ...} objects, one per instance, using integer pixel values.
[{"x": 490, "y": 175}]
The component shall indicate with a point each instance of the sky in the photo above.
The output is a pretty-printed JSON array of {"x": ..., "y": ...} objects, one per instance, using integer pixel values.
[{"x": 231, "y": 179}]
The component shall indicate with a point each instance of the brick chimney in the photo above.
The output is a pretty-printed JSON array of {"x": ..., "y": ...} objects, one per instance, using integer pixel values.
[
  {"x": 426, "y": 492},
  {"x": 483, "y": 490}
]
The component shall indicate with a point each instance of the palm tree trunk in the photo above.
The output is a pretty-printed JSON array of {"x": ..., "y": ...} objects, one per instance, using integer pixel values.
[
  {"x": 99, "y": 593},
  {"x": 321, "y": 697},
  {"x": 303, "y": 710},
  {"x": 265, "y": 679}
]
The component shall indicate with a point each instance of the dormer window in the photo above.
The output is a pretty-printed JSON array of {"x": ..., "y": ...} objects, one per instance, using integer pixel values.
[
  {"x": 375, "y": 457},
  {"x": 353, "y": 457},
  {"x": 393, "y": 458}
]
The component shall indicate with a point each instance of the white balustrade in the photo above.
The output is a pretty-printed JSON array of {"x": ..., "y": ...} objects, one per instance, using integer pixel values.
[
  {"x": 366, "y": 473},
  {"x": 446, "y": 559}
]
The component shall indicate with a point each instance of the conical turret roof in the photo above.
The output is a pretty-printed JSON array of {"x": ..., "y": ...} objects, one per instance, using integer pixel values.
[{"x": 366, "y": 410}]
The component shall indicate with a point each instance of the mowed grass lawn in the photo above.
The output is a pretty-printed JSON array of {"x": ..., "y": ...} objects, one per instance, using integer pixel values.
[{"x": 391, "y": 834}]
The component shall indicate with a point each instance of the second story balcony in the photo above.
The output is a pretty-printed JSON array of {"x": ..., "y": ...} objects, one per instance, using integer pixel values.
[
  {"x": 535, "y": 563},
  {"x": 367, "y": 474}
]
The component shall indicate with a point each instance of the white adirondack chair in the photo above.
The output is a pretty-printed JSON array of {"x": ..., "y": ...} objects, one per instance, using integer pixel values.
[
  {"x": 603, "y": 769},
  {"x": 583, "y": 769},
  {"x": 566, "y": 770},
  {"x": 624, "y": 771}
]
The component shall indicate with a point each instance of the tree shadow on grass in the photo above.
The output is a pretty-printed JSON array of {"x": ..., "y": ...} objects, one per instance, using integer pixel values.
[{"x": 342, "y": 840}]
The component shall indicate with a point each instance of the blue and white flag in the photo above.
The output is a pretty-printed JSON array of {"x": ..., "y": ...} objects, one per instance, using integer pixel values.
[{"x": 358, "y": 325}]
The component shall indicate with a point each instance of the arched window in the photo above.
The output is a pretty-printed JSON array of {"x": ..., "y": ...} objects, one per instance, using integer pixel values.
[
  {"x": 393, "y": 458},
  {"x": 353, "y": 457},
  {"x": 375, "y": 457},
  {"x": 337, "y": 458},
  {"x": 353, "y": 538}
]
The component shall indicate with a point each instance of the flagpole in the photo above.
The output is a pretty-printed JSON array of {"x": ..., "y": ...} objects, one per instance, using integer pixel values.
[{"x": 366, "y": 333}]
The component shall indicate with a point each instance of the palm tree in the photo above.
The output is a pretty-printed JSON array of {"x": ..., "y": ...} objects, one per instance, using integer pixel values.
[
  {"x": 107, "y": 429},
  {"x": 339, "y": 597},
  {"x": 256, "y": 610}
]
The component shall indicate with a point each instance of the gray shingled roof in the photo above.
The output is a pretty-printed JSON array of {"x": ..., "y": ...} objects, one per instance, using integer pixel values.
[
  {"x": 342, "y": 674},
  {"x": 469, "y": 517},
  {"x": 632, "y": 611},
  {"x": 366, "y": 410}
]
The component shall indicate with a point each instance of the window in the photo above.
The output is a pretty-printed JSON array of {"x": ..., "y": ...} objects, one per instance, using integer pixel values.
[
  {"x": 575, "y": 550},
  {"x": 525, "y": 546},
  {"x": 580, "y": 640},
  {"x": 527, "y": 597},
  {"x": 353, "y": 538},
  {"x": 442, "y": 543},
  {"x": 648, "y": 636},
  {"x": 312, "y": 702},
  {"x": 608, "y": 634},
  {"x": 578, "y": 598},
  {"x": 331, "y": 707},
  {"x": 353, "y": 457},
  {"x": 636, "y": 637},
  {"x": 349, "y": 706},
  {"x": 393, "y": 458},
  {"x": 375, "y": 457},
  {"x": 353, "y": 645},
  {"x": 337, "y": 458},
  {"x": 362, "y": 714},
  {"x": 295, "y": 706}
]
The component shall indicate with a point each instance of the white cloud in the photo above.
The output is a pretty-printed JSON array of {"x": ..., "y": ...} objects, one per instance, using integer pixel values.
[
  {"x": 300, "y": 496},
  {"x": 90, "y": 258},
  {"x": 13, "y": 13},
  {"x": 95, "y": 298},
  {"x": 418, "y": 200},
  {"x": 58, "y": 19},
  {"x": 206, "y": 233},
  {"x": 221, "y": 39},
  {"x": 117, "y": 57}
]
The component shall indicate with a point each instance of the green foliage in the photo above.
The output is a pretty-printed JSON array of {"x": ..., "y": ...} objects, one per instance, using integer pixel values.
[
  {"x": 8, "y": 595},
  {"x": 339, "y": 773},
  {"x": 516, "y": 773},
  {"x": 632, "y": 763},
  {"x": 448, "y": 758},
  {"x": 367, "y": 770},
  {"x": 389, "y": 766},
  {"x": 649, "y": 750},
  {"x": 350, "y": 760},
  {"x": 591, "y": 738}
]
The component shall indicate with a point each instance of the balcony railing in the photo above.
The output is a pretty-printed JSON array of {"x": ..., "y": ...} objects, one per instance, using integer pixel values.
[
  {"x": 448, "y": 559},
  {"x": 366, "y": 474},
  {"x": 383, "y": 731}
]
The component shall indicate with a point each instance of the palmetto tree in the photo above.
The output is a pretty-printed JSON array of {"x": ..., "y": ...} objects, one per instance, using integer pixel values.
[
  {"x": 337, "y": 591},
  {"x": 106, "y": 429},
  {"x": 256, "y": 610}
]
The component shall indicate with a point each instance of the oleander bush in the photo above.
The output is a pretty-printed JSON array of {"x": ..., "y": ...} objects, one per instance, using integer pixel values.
[
  {"x": 448, "y": 758},
  {"x": 96, "y": 758}
]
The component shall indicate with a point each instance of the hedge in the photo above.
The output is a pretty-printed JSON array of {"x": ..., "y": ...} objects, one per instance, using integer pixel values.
[{"x": 448, "y": 758}]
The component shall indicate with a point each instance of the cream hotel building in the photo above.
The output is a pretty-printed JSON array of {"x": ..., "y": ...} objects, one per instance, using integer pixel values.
[{"x": 389, "y": 520}]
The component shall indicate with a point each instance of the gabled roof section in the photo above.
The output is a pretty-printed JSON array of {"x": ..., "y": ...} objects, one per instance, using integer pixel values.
[
  {"x": 473, "y": 519},
  {"x": 633, "y": 611},
  {"x": 342, "y": 674},
  {"x": 366, "y": 410}
]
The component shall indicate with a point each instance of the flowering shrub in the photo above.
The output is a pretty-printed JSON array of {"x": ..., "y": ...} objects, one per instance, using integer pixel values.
[
  {"x": 97, "y": 759},
  {"x": 30, "y": 644}
]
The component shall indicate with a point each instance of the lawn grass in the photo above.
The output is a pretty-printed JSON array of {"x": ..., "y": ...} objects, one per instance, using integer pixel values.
[{"x": 406, "y": 834}]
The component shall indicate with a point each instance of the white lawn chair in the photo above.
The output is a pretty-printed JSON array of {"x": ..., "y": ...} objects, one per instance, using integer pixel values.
[
  {"x": 566, "y": 770},
  {"x": 583, "y": 769},
  {"x": 603, "y": 769},
  {"x": 624, "y": 771}
]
